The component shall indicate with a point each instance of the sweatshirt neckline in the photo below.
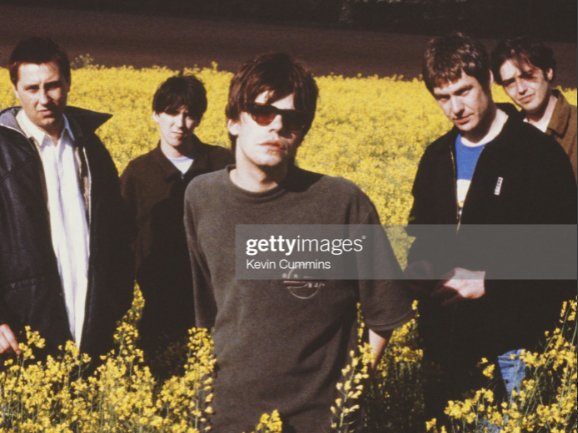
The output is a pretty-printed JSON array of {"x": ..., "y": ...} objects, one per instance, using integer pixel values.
[{"x": 256, "y": 197}]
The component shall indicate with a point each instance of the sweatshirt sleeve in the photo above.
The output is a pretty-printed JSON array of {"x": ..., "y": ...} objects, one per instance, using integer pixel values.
[
  {"x": 203, "y": 295},
  {"x": 385, "y": 303}
]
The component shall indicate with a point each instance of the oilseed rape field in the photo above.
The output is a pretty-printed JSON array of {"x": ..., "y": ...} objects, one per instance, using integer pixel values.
[{"x": 370, "y": 130}]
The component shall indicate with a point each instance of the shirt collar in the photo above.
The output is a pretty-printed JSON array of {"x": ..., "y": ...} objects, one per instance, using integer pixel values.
[
  {"x": 200, "y": 160},
  {"x": 37, "y": 134},
  {"x": 561, "y": 115}
]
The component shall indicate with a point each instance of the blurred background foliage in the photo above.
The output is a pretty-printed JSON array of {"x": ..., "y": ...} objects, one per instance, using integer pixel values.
[{"x": 553, "y": 19}]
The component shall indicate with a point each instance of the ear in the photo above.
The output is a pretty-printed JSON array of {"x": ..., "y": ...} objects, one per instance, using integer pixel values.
[
  {"x": 549, "y": 74},
  {"x": 492, "y": 81},
  {"x": 155, "y": 117},
  {"x": 233, "y": 127}
]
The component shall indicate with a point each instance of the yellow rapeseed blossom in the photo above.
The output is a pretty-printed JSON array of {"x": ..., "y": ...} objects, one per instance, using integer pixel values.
[
  {"x": 346, "y": 409},
  {"x": 546, "y": 401},
  {"x": 269, "y": 423},
  {"x": 369, "y": 130}
]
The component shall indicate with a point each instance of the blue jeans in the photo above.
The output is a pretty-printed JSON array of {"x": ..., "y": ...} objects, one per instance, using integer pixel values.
[
  {"x": 443, "y": 382},
  {"x": 513, "y": 371}
]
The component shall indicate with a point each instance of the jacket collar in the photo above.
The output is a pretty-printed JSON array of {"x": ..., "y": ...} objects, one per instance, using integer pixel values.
[
  {"x": 168, "y": 170},
  {"x": 37, "y": 134},
  {"x": 200, "y": 157},
  {"x": 561, "y": 115},
  {"x": 81, "y": 121},
  {"x": 514, "y": 117},
  {"x": 511, "y": 111}
]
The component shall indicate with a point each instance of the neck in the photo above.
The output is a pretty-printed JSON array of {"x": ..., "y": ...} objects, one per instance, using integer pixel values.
[
  {"x": 258, "y": 179},
  {"x": 185, "y": 149},
  {"x": 541, "y": 117},
  {"x": 489, "y": 128}
]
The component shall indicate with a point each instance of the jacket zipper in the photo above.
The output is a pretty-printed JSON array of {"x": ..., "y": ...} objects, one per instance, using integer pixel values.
[
  {"x": 453, "y": 309},
  {"x": 455, "y": 189},
  {"x": 459, "y": 212}
]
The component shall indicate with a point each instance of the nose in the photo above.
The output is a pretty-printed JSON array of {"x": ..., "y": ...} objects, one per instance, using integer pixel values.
[
  {"x": 520, "y": 86},
  {"x": 43, "y": 97},
  {"x": 182, "y": 120},
  {"x": 457, "y": 106},
  {"x": 277, "y": 123}
]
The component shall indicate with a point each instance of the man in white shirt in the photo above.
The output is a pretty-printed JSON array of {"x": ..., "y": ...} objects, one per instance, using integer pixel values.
[{"x": 64, "y": 259}]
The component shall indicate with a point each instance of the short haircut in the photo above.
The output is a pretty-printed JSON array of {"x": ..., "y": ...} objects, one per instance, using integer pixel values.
[
  {"x": 522, "y": 50},
  {"x": 446, "y": 57},
  {"x": 181, "y": 91},
  {"x": 279, "y": 74},
  {"x": 38, "y": 50}
]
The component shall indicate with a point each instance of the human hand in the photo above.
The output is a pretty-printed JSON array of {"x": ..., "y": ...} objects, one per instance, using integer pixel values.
[
  {"x": 460, "y": 285},
  {"x": 8, "y": 342}
]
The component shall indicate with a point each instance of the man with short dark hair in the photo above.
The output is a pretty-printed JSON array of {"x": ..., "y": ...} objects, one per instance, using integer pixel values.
[
  {"x": 65, "y": 265},
  {"x": 280, "y": 344},
  {"x": 526, "y": 68},
  {"x": 153, "y": 186},
  {"x": 491, "y": 168}
]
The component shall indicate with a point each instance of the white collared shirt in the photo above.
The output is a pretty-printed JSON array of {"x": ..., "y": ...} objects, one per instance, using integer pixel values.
[{"x": 68, "y": 217}]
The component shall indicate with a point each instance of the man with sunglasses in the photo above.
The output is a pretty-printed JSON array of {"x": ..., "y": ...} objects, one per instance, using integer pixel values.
[{"x": 279, "y": 344}]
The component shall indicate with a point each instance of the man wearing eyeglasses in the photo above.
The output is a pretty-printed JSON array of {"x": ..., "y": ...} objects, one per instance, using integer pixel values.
[{"x": 279, "y": 345}]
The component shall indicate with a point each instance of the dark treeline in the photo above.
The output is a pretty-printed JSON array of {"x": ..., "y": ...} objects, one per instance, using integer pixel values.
[{"x": 552, "y": 19}]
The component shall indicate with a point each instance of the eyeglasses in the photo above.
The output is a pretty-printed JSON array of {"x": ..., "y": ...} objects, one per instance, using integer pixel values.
[{"x": 293, "y": 120}]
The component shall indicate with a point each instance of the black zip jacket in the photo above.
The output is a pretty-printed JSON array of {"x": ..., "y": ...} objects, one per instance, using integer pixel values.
[
  {"x": 30, "y": 287},
  {"x": 153, "y": 190},
  {"x": 537, "y": 187}
]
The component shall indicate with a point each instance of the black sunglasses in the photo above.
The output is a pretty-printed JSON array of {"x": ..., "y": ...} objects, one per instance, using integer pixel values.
[{"x": 293, "y": 120}]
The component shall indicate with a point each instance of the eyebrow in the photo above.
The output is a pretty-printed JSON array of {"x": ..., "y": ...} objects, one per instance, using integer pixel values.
[
  {"x": 528, "y": 73},
  {"x": 463, "y": 88},
  {"x": 47, "y": 84},
  {"x": 522, "y": 73},
  {"x": 458, "y": 91}
]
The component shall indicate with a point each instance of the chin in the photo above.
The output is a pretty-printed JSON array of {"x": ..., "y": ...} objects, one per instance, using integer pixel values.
[
  {"x": 272, "y": 162},
  {"x": 528, "y": 104},
  {"x": 46, "y": 123},
  {"x": 465, "y": 127},
  {"x": 530, "y": 108}
]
